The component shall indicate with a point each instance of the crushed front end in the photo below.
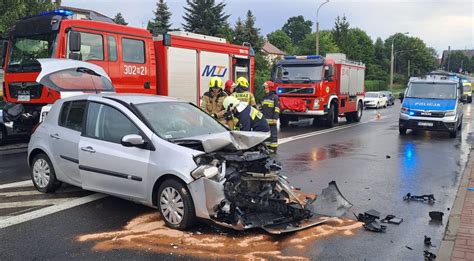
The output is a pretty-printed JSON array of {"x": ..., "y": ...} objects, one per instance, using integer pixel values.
[{"x": 244, "y": 189}]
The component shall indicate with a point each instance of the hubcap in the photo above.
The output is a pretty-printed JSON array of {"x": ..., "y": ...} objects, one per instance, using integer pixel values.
[
  {"x": 41, "y": 173},
  {"x": 172, "y": 205}
]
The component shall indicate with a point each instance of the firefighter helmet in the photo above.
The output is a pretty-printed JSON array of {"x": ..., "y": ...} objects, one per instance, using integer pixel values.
[
  {"x": 215, "y": 82},
  {"x": 230, "y": 102},
  {"x": 228, "y": 85},
  {"x": 243, "y": 82},
  {"x": 270, "y": 85}
]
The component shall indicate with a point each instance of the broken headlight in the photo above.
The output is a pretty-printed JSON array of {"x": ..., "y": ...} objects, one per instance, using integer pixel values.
[{"x": 208, "y": 171}]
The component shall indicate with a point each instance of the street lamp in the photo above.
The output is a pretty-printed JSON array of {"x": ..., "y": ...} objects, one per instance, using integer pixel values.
[
  {"x": 391, "y": 63},
  {"x": 317, "y": 26}
]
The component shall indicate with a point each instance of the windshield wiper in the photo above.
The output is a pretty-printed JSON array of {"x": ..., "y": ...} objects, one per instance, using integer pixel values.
[{"x": 88, "y": 71}]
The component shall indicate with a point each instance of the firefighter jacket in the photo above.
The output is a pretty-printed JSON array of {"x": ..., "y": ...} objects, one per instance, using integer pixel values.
[
  {"x": 213, "y": 104},
  {"x": 271, "y": 107},
  {"x": 244, "y": 96},
  {"x": 251, "y": 119}
]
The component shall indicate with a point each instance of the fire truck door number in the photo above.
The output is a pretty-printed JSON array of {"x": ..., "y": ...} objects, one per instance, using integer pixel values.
[{"x": 134, "y": 70}]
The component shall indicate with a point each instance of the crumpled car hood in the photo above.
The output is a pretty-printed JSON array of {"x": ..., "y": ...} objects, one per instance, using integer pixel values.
[{"x": 234, "y": 140}]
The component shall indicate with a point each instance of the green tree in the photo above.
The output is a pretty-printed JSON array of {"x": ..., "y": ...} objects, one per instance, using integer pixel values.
[
  {"x": 297, "y": 28},
  {"x": 341, "y": 33},
  {"x": 12, "y": 10},
  {"x": 205, "y": 17},
  {"x": 252, "y": 33},
  {"x": 457, "y": 60},
  {"x": 326, "y": 44},
  {"x": 239, "y": 32},
  {"x": 161, "y": 22},
  {"x": 282, "y": 41},
  {"x": 118, "y": 19}
]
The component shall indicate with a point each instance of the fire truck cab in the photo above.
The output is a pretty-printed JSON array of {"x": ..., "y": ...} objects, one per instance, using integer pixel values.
[{"x": 322, "y": 88}]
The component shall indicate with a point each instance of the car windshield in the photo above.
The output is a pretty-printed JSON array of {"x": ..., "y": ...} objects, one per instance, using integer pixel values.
[
  {"x": 25, "y": 50},
  {"x": 178, "y": 120},
  {"x": 432, "y": 90},
  {"x": 301, "y": 73},
  {"x": 372, "y": 94}
]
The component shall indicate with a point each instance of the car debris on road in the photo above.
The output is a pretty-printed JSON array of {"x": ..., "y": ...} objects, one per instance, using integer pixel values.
[
  {"x": 370, "y": 221},
  {"x": 425, "y": 198},
  {"x": 436, "y": 216}
]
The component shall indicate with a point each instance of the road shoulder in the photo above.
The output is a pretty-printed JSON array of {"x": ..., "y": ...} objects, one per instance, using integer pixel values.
[{"x": 458, "y": 240}]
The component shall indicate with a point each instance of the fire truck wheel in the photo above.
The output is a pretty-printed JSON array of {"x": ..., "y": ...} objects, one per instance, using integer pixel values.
[
  {"x": 3, "y": 134},
  {"x": 330, "y": 116},
  {"x": 284, "y": 121}
]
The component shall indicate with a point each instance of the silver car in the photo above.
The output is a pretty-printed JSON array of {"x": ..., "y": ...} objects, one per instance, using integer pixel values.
[{"x": 170, "y": 155}]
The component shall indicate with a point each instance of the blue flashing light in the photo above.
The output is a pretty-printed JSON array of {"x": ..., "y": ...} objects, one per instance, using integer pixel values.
[
  {"x": 61, "y": 12},
  {"x": 313, "y": 57},
  {"x": 290, "y": 57},
  {"x": 280, "y": 90},
  {"x": 411, "y": 113},
  {"x": 302, "y": 57}
]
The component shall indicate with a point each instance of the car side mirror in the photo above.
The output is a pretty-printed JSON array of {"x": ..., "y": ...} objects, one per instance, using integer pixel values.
[
  {"x": 74, "y": 41},
  {"x": 133, "y": 140}
]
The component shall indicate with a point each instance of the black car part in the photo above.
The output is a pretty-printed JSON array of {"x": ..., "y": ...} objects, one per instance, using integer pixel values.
[{"x": 429, "y": 198}]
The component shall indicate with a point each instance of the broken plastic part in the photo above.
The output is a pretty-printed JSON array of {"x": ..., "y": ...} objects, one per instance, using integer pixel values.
[
  {"x": 427, "y": 241},
  {"x": 375, "y": 226},
  {"x": 331, "y": 202},
  {"x": 436, "y": 215},
  {"x": 392, "y": 219},
  {"x": 429, "y": 256},
  {"x": 409, "y": 197}
]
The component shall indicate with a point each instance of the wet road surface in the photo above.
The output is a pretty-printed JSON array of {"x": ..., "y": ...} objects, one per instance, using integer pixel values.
[{"x": 355, "y": 157}]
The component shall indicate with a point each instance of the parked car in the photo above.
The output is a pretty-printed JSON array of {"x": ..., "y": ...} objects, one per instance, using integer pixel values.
[
  {"x": 168, "y": 154},
  {"x": 390, "y": 97},
  {"x": 375, "y": 100}
]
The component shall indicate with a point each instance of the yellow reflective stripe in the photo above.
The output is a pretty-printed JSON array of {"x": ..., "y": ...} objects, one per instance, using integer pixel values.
[
  {"x": 272, "y": 145},
  {"x": 254, "y": 113},
  {"x": 277, "y": 109},
  {"x": 270, "y": 104}
]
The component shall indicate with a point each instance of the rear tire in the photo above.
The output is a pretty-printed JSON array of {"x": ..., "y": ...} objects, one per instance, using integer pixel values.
[
  {"x": 43, "y": 174},
  {"x": 402, "y": 131},
  {"x": 175, "y": 205}
]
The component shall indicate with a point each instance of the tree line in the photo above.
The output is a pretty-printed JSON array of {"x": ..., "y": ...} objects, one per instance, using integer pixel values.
[{"x": 294, "y": 37}]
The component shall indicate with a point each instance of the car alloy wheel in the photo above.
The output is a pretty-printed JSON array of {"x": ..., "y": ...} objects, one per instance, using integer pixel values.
[
  {"x": 172, "y": 205},
  {"x": 41, "y": 173}
]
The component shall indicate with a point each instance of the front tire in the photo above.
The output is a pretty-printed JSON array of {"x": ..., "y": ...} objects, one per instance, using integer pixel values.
[
  {"x": 402, "y": 131},
  {"x": 43, "y": 174},
  {"x": 284, "y": 121},
  {"x": 175, "y": 205},
  {"x": 330, "y": 116}
]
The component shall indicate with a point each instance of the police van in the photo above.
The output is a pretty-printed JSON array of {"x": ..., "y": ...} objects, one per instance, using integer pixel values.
[{"x": 432, "y": 103}]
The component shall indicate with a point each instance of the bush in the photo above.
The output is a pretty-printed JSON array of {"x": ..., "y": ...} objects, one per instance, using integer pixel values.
[{"x": 376, "y": 85}]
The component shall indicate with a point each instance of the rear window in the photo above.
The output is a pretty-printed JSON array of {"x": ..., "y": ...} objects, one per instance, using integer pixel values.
[
  {"x": 133, "y": 51},
  {"x": 77, "y": 79}
]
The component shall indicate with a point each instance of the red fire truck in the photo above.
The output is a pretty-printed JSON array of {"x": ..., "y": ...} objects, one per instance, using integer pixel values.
[
  {"x": 322, "y": 88},
  {"x": 176, "y": 64}
]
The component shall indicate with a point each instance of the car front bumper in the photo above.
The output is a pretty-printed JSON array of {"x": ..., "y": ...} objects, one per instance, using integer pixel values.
[{"x": 427, "y": 123}]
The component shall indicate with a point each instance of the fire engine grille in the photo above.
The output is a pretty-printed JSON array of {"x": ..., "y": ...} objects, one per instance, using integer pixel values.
[
  {"x": 289, "y": 90},
  {"x": 25, "y": 88}
]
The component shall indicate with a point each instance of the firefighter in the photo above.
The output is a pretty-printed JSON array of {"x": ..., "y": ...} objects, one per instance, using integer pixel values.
[
  {"x": 271, "y": 110},
  {"x": 242, "y": 93},
  {"x": 249, "y": 118},
  {"x": 212, "y": 100},
  {"x": 229, "y": 87}
]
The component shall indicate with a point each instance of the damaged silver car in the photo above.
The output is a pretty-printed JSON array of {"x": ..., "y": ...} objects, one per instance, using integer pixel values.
[{"x": 168, "y": 154}]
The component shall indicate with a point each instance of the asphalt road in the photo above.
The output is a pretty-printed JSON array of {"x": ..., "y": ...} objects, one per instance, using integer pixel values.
[{"x": 373, "y": 166}]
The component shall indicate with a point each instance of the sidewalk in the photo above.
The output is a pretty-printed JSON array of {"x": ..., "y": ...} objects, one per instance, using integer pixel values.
[{"x": 458, "y": 241}]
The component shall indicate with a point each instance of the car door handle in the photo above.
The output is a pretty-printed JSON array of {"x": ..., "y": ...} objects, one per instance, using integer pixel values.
[
  {"x": 55, "y": 136},
  {"x": 88, "y": 149}
]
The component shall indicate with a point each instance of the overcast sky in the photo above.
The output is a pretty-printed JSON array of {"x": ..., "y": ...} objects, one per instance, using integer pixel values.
[{"x": 439, "y": 23}]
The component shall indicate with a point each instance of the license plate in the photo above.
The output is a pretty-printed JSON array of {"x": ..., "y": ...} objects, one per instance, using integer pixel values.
[
  {"x": 427, "y": 124},
  {"x": 24, "y": 98}
]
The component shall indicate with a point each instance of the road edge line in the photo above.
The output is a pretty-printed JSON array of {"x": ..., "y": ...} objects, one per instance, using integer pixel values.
[{"x": 24, "y": 183}]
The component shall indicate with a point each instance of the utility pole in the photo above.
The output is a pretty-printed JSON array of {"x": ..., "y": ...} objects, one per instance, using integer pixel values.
[
  {"x": 317, "y": 27},
  {"x": 449, "y": 55},
  {"x": 408, "y": 69},
  {"x": 391, "y": 62}
]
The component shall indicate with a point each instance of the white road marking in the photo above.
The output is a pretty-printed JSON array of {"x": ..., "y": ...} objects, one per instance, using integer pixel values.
[
  {"x": 20, "y": 193},
  {"x": 49, "y": 210},
  {"x": 25, "y": 183},
  {"x": 34, "y": 203}
]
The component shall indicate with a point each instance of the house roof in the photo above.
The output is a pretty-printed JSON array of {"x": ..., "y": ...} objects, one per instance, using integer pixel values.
[
  {"x": 467, "y": 52},
  {"x": 272, "y": 49}
]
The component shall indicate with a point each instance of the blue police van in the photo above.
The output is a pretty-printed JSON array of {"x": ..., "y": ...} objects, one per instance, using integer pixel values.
[{"x": 432, "y": 103}]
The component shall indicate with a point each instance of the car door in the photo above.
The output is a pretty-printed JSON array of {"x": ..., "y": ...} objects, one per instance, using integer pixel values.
[
  {"x": 64, "y": 140},
  {"x": 105, "y": 164}
]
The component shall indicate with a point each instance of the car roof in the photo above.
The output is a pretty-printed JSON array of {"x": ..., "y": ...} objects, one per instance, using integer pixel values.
[{"x": 127, "y": 98}]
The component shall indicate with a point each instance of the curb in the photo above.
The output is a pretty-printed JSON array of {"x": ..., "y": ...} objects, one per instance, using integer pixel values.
[{"x": 447, "y": 244}]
